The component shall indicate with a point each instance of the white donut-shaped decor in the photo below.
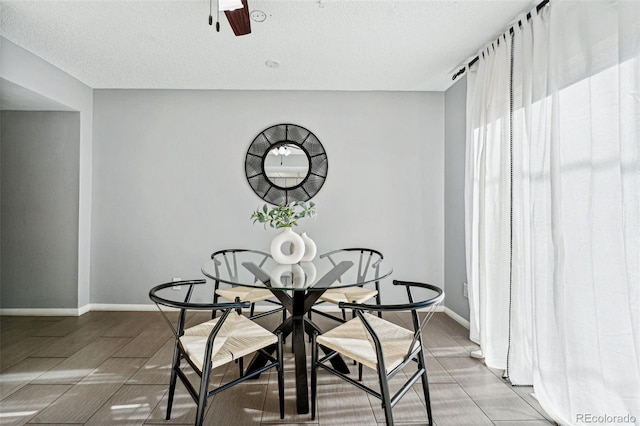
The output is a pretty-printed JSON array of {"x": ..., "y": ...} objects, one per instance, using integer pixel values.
[{"x": 297, "y": 247}]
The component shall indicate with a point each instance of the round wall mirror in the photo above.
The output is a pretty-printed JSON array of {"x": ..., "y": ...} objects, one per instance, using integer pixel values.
[{"x": 286, "y": 163}]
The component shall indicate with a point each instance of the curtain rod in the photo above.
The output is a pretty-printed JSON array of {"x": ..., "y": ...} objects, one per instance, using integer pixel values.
[{"x": 477, "y": 58}]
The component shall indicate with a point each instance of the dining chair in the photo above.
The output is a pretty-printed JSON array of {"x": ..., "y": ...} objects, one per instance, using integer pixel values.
[
  {"x": 380, "y": 345},
  {"x": 227, "y": 259},
  {"x": 368, "y": 266},
  {"x": 214, "y": 343}
]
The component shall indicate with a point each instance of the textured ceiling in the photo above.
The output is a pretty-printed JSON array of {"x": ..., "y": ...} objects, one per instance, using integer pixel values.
[{"x": 320, "y": 45}]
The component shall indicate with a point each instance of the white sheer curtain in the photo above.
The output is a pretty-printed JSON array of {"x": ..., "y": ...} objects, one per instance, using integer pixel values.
[
  {"x": 574, "y": 281},
  {"x": 487, "y": 205}
]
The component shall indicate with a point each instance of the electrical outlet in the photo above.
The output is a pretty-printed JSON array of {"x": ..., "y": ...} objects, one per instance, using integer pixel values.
[
  {"x": 465, "y": 290},
  {"x": 176, "y": 287}
]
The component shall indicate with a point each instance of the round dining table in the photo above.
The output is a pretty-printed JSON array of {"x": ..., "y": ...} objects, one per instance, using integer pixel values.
[{"x": 298, "y": 287}]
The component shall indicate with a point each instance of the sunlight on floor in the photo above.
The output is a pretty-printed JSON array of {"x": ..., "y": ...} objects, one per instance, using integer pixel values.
[
  {"x": 128, "y": 406},
  {"x": 17, "y": 414},
  {"x": 130, "y": 411},
  {"x": 7, "y": 378}
]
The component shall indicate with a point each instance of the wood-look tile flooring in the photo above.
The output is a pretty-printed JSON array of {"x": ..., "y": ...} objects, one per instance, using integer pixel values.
[{"x": 108, "y": 368}]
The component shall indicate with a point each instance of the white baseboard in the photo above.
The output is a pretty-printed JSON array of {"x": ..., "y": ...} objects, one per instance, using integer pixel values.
[
  {"x": 124, "y": 307},
  {"x": 457, "y": 318},
  {"x": 151, "y": 307},
  {"x": 43, "y": 312},
  {"x": 84, "y": 309},
  {"x": 74, "y": 312}
]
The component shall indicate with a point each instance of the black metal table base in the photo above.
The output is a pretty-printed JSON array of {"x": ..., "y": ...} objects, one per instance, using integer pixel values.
[{"x": 298, "y": 325}]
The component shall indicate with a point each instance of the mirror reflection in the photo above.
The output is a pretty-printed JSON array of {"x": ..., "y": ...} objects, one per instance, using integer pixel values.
[{"x": 286, "y": 165}]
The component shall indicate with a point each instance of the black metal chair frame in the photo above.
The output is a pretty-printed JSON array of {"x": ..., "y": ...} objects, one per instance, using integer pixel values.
[
  {"x": 200, "y": 396},
  {"x": 364, "y": 265},
  {"x": 415, "y": 353},
  {"x": 231, "y": 264}
]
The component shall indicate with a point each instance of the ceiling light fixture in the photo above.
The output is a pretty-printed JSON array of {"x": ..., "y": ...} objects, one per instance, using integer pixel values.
[
  {"x": 281, "y": 150},
  {"x": 229, "y": 4},
  {"x": 237, "y": 12}
]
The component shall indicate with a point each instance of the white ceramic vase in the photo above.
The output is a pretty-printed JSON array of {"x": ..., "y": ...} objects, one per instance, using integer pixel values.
[
  {"x": 309, "y": 248},
  {"x": 297, "y": 247}
]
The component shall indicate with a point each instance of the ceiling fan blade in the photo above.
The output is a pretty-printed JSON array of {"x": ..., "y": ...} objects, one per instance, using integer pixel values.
[{"x": 239, "y": 19}]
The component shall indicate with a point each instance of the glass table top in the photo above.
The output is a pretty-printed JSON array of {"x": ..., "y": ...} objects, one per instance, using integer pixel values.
[{"x": 334, "y": 268}]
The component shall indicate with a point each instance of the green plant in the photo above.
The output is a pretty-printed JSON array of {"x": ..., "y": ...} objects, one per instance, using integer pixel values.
[{"x": 284, "y": 216}]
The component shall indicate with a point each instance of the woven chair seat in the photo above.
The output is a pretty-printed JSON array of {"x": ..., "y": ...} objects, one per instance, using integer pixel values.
[
  {"x": 239, "y": 336},
  {"x": 351, "y": 339},
  {"x": 246, "y": 294},
  {"x": 348, "y": 294}
]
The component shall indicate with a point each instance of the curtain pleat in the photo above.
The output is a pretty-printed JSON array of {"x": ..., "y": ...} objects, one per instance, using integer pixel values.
[{"x": 487, "y": 201}]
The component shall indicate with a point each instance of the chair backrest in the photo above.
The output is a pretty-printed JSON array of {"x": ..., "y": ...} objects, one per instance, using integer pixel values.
[
  {"x": 185, "y": 304},
  {"x": 429, "y": 304},
  {"x": 368, "y": 258},
  {"x": 227, "y": 259}
]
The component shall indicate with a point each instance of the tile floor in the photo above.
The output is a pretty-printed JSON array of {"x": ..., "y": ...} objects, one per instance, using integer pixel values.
[{"x": 112, "y": 368}]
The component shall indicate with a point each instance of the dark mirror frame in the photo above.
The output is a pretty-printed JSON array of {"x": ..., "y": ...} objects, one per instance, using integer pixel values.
[{"x": 272, "y": 137}]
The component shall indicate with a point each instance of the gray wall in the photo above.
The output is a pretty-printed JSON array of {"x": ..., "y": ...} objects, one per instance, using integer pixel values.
[
  {"x": 39, "y": 209},
  {"x": 454, "y": 158},
  {"x": 169, "y": 184},
  {"x": 1, "y": 257},
  {"x": 24, "y": 69}
]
